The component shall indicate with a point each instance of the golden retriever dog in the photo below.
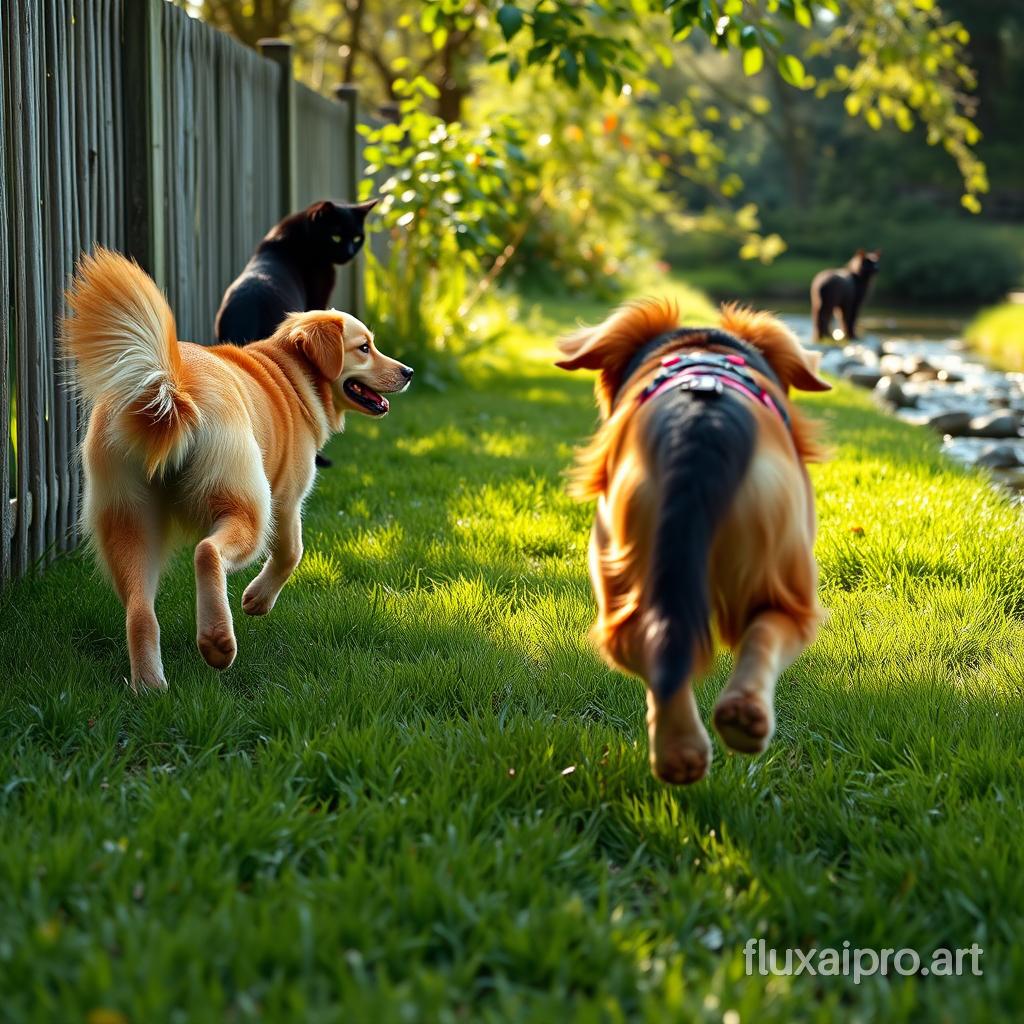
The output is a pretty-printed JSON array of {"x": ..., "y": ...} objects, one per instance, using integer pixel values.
[
  {"x": 705, "y": 515},
  {"x": 210, "y": 442}
]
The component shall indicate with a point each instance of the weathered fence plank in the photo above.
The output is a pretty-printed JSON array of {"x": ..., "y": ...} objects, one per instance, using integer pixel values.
[
  {"x": 7, "y": 481},
  {"x": 144, "y": 134},
  {"x": 129, "y": 124}
]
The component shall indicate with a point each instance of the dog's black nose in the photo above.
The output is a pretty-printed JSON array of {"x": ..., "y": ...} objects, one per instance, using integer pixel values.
[{"x": 407, "y": 372}]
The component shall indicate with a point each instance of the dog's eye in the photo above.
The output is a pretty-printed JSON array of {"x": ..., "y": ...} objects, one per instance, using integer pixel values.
[
  {"x": 335, "y": 239},
  {"x": 365, "y": 347}
]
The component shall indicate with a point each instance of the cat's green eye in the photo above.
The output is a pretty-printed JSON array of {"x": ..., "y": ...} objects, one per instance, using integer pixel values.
[{"x": 335, "y": 239}]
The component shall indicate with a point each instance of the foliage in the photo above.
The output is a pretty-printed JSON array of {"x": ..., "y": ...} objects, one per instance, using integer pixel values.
[
  {"x": 926, "y": 260},
  {"x": 998, "y": 334},
  {"x": 451, "y": 197},
  {"x": 945, "y": 261},
  {"x": 419, "y": 795},
  {"x": 910, "y": 62}
]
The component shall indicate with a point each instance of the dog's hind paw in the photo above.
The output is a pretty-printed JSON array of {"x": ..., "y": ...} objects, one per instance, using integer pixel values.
[
  {"x": 217, "y": 646},
  {"x": 744, "y": 722}
]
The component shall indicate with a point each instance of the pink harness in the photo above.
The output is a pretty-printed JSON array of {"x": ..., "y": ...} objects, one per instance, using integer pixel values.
[{"x": 710, "y": 373}]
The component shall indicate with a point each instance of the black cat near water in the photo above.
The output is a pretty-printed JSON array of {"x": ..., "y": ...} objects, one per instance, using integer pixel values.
[
  {"x": 842, "y": 289},
  {"x": 292, "y": 270}
]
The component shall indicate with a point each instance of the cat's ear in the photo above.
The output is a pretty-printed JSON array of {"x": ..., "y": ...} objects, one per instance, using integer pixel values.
[
  {"x": 321, "y": 211},
  {"x": 362, "y": 209}
]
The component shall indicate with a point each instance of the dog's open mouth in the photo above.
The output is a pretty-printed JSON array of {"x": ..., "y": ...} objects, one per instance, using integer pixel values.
[{"x": 365, "y": 397}]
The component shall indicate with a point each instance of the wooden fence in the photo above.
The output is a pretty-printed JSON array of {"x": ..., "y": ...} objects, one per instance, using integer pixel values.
[{"x": 129, "y": 124}]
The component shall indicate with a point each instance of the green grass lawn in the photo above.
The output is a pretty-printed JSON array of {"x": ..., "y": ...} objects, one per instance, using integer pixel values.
[{"x": 420, "y": 796}]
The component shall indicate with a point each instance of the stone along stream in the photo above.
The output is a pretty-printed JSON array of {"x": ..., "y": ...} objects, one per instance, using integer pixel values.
[{"x": 920, "y": 370}]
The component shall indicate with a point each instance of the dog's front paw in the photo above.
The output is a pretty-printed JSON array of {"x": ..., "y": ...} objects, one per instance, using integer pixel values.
[
  {"x": 682, "y": 764},
  {"x": 217, "y": 645},
  {"x": 151, "y": 681},
  {"x": 744, "y": 722},
  {"x": 256, "y": 601}
]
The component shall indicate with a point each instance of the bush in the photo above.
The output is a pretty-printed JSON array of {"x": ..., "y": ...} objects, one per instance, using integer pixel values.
[
  {"x": 924, "y": 260},
  {"x": 998, "y": 334},
  {"x": 948, "y": 262},
  {"x": 451, "y": 198}
]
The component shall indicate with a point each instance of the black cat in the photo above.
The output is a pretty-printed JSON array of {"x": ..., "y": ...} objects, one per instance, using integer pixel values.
[
  {"x": 843, "y": 289},
  {"x": 292, "y": 270}
]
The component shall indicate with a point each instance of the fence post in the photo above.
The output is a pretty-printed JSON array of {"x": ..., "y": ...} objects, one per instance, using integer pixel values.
[
  {"x": 280, "y": 52},
  {"x": 349, "y": 96},
  {"x": 144, "y": 137}
]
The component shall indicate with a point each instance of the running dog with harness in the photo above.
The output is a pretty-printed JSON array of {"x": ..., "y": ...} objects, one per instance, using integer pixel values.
[{"x": 704, "y": 518}]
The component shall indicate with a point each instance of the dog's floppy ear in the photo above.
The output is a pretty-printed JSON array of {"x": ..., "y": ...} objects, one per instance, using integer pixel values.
[
  {"x": 322, "y": 343},
  {"x": 805, "y": 371},
  {"x": 796, "y": 366},
  {"x": 584, "y": 350}
]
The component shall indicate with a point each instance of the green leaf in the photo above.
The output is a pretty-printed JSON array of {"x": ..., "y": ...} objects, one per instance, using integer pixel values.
[
  {"x": 570, "y": 68},
  {"x": 748, "y": 37},
  {"x": 753, "y": 60},
  {"x": 791, "y": 69},
  {"x": 510, "y": 19}
]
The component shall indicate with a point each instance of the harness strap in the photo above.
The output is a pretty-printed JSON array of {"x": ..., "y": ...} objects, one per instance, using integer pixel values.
[{"x": 707, "y": 373}]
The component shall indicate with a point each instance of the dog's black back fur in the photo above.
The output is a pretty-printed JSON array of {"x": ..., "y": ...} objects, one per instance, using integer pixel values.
[
  {"x": 842, "y": 289},
  {"x": 704, "y": 446},
  {"x": 291, "y": 271}
]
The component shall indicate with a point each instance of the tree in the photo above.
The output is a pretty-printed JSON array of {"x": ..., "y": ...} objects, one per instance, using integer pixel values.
[{"x": 910, "y": 62}]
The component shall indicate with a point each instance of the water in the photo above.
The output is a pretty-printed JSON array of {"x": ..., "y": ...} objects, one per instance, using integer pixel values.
[{"x": 949, "y": 379}]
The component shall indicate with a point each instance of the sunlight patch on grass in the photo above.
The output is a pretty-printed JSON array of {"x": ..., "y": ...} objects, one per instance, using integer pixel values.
[
  {"x": 419, "y": 790},
  {"x": 318, "y": 569}
]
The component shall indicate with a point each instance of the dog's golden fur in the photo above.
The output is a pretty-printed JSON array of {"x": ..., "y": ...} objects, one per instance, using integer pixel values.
[
  {"x": 760, "y": 568},
  {"x": 215, "y": 442}
]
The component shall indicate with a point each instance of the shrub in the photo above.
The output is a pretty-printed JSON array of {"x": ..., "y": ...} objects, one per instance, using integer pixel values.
[
  {"x": 998, "y": 333},
  {"x": 948, "y": 261},
  {"x": 452, "y": 196}
]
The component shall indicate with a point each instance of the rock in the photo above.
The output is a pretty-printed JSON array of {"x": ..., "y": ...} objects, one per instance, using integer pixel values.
[
  {"x": 994, "y": 424},
  {"x": 872, "y": 343},
  {"x": 890, "y": 389},
  {"x": 1013, "y": 477},
  {"x": 833, "y": 361},
  {"x": 949, "y": 377},
  {"x": 999, "y": 456},
  {"x": 924, "y": 374},
  {"x": 955, "y": 423},
  {"x": 890, "y": 364},
  {"x": 862, "y": 376},
  {"x": 863, "y": 354},
  {"x": 918, "y": 364}
]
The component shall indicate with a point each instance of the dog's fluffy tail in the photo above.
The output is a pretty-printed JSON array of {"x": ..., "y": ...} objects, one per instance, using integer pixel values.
[
  {"x": 703, "y": 449},
  {"x": 121, "y": 335}
]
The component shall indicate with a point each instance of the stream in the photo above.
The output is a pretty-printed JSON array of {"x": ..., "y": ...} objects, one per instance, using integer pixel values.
[{"x": 920, "y": 370}]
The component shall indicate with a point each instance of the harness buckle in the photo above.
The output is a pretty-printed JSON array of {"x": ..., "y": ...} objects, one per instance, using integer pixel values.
[{"x": 703, "y": 382}]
